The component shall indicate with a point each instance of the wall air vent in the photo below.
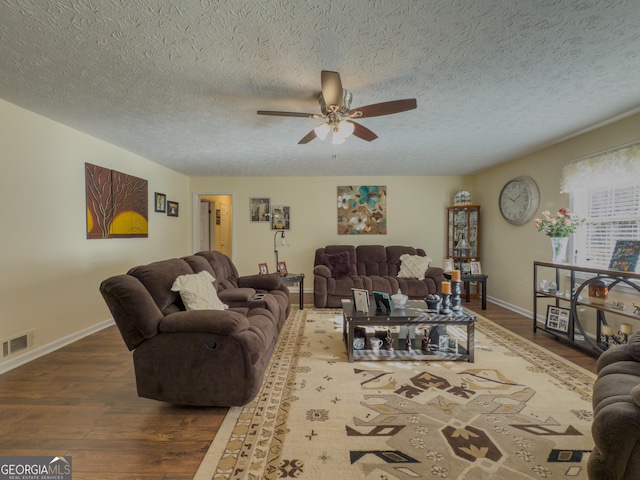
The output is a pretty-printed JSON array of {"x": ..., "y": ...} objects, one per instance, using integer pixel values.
[{"x": 14, "y": 345}]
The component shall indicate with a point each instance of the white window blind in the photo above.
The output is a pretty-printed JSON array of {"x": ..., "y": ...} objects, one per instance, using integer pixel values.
[{"x": 612, "y": 213}]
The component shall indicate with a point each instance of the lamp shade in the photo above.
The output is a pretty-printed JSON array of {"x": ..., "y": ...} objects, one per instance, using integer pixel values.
[{"x": 322, "y": 130}]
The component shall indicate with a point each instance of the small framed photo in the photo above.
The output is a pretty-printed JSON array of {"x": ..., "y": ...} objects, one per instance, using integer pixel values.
[
  {"x": 280, "y": 217},
  {"x": 260, "y": 209},
  {"x": 447, "y": 264},
  {"x": 558, "y": 318},
  {"x": 282, "y": 268},
  {"x": 476, "y": 269},
  {"x": 263, "y": 269},
  {"x": 172, "y": 209},
  {"x": 160, "y": 202},
  {"x": 465, "y": 267}
]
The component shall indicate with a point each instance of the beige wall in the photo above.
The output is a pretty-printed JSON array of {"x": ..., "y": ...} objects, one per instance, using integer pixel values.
[
  {"x": 509, "y": 251},
  {"x": 416, "y": 216},
  {"x": 50, "y": 271}
]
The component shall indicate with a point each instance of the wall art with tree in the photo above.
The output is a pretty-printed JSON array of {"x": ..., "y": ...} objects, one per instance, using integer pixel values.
[{"x": 117, "y": 204}]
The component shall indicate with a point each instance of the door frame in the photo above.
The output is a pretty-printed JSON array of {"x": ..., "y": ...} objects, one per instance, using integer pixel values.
[{"x": 196, "y": 220}]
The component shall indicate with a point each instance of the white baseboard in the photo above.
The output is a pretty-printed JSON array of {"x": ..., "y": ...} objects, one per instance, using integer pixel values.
[
  {"x": 38, "y": 352},
  {"x": 509, "y": 306}
]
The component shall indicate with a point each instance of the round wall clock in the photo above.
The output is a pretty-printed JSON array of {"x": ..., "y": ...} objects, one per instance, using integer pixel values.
[{"x": 519, "y": 200}]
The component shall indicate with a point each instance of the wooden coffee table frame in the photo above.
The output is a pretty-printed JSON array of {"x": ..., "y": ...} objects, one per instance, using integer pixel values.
[{"x": 415, "y": 314}]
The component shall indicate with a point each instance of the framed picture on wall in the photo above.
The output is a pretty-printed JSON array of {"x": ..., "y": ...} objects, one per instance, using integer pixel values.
[
  {"x": 280, "y": 217},
  {"x": 160, "y": 202},
  {"x": 260, "y": 209},
  {"x": 172, "y": 209}
]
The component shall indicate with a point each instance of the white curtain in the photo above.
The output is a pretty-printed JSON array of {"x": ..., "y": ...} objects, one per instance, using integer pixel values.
[{"x": 613, "y": 167}]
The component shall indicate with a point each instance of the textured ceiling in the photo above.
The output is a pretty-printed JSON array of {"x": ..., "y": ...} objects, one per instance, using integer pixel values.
[{"x": 180, "y": 82}]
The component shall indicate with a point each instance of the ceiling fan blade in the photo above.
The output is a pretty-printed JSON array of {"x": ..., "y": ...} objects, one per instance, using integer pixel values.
[
  {"x": 363, "y": 132},
  {"x": 289, "y": 114},
  {"x": 331, "y": 88},
  {"x": 386, "y": 108},
  {"x": 308, "y": 137}
]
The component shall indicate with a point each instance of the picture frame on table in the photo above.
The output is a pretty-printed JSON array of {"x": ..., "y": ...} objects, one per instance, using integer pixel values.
[
  {"x": 173, "y": 209},
  {"x": 475, "y": 268},
  {"x": 465, "y": 267},
  {"x": 447, "y": 264},
  {"x": 263, "y": 268},
  {"x": 282, "y": 268},
  {"x": 160, "y": 203},
  {"x": 558, "y": 318}
]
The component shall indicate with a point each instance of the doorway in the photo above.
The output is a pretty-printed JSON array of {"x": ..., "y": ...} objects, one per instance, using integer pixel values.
[{"x": 213, "y": 223}]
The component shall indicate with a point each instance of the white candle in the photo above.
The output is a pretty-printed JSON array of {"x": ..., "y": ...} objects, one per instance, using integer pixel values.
[
  {"x": 626, "y": 328},
  {"x": 607, "y": 330}
]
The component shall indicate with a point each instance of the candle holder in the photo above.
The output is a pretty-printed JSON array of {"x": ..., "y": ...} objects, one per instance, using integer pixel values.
[
  {"x": 611, "y": 339},
  {"x": 456, "y": 302},
  {"x": 446, "y": 304}
]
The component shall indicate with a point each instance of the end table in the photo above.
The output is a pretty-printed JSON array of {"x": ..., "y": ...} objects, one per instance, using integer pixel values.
[
  {"x": 292, "y": 279},
  {"x": 465, "y": 278}
]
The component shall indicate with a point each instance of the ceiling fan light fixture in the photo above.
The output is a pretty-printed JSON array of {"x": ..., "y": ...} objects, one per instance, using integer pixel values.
[
  {"x": 337, "y": 139},
  {"x": 346, "y": 128},
  {"x": 322, "y": 130}
]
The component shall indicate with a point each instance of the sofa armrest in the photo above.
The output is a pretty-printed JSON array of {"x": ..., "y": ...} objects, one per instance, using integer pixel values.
[
  {"x": 322, "y": 271},
  {"x": 221, "y": 322},
  {"x": 270, "y": 281},
  {"x": 235, "y": 295},
  {"x": 433, "y": 272}
]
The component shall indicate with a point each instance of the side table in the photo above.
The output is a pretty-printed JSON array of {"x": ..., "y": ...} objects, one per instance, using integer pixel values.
[
  {"x": 292, "y": 279},
  {"x": 465, "y": 278}
]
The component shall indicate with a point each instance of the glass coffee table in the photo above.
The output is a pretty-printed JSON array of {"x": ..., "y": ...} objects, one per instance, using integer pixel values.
[{"x": 451, "y": 337}]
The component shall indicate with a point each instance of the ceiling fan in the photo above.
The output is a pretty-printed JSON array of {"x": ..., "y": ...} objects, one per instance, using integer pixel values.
[{"x": 335, "y": 105}]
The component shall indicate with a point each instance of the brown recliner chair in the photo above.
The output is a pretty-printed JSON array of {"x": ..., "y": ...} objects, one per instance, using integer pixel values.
[
  {"x": 616, "y": 414},
  {"x": 197, "y": 357}
]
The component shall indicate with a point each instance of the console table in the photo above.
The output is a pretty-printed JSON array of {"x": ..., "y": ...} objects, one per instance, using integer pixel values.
[
  {"x": 572, "y": 297},
  {"x": 292, "y": 279}
]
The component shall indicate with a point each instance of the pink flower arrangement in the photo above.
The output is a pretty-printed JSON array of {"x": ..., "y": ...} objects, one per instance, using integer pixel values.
[{"x": 562, "y": 224}]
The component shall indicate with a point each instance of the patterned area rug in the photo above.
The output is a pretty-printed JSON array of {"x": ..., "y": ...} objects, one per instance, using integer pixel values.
[{"x": 518, "y": 412}]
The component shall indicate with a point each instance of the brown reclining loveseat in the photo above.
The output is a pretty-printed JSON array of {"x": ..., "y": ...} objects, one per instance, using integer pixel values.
[{"x": 197, "y": 357}]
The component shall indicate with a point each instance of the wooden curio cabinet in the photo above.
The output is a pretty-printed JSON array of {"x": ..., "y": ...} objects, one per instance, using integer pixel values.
[{"x": 463, "y": 235}]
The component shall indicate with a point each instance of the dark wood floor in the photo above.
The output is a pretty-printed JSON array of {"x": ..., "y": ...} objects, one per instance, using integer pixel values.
[{"x": 81, "y": 401}]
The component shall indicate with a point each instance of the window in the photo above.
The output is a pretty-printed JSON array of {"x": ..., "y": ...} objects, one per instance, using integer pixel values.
[
  {"x": 605, "y": 189},
  {"x": 612, "y": 213}
]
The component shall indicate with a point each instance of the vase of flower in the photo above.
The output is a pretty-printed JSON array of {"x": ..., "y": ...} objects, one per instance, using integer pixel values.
[
  {"x": 559, "y": 246},
  {"x": 558, "y": 227}
]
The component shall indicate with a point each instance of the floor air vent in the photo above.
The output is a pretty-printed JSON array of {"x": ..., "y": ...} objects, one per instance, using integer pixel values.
[{"x": 17, "y": 344}]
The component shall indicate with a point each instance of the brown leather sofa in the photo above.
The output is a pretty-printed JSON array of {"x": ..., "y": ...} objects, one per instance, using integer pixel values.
[
  {"x": 197, "y": 357},
  {"x": 339, "y": 268},
  {"x": 616, "y": 414}
]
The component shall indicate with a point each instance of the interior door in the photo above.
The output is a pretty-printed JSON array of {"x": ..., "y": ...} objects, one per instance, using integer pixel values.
[
  {"x": 225, "y": 228},
  {"x": 205, "y": 216}
]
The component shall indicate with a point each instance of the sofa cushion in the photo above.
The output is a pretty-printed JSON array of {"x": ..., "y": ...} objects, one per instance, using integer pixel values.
[
  {"x": 413, "y": 266},
  {"x": 338, "y": 264},
  {"x": 197, "y": 291}
]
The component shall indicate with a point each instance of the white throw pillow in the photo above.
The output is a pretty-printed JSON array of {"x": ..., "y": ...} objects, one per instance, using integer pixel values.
[
  {"x": 197, "y": 291},
  {"x": 413, "y": 266}
]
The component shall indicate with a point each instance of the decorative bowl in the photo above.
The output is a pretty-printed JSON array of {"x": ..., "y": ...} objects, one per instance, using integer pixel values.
[{"x": 399, "y": 300}]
